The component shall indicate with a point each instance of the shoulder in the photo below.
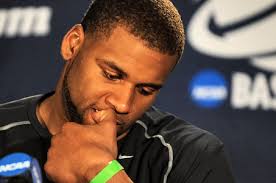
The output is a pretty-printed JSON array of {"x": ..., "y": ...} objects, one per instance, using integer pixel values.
[
  {"x": 16, "y": 114},
  {"x": 192, "y": 151},
  {"x": 16, "y": 128},
  {"x": 186, "y": 143},
  {"x": 18, "y": 102},
  {"x": 15, "y": 111},
  {"x": 178, "y": 132}
]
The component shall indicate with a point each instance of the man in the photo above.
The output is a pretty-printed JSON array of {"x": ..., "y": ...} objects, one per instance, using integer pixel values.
[{"x": 116, "y": 62}]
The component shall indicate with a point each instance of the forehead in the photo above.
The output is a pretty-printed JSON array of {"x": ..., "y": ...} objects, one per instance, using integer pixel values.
[{"x": 130, "y": 53}]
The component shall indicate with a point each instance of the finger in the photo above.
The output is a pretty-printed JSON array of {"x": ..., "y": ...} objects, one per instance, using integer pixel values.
[
  {"x": 105, "y": 116},
  {"x": 88, "y": 117},
  {"x": 91, "y": 117}
]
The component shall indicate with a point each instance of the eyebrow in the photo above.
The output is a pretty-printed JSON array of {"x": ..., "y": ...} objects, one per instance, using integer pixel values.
[
  {"x": 151, "y": 85},
  {"x": 120, "y": 71},
  {"x": 113, "y": 66}
]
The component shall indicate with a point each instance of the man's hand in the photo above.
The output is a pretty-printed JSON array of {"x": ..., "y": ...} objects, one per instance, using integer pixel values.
[{"x": 79, "y": 152}]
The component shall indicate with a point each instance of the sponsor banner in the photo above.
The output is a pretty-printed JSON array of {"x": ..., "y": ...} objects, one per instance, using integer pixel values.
[
  {"x": 222, "y": 33},
  {"x": 25, "y": 21},
  {"x": 30, "y": 36}
]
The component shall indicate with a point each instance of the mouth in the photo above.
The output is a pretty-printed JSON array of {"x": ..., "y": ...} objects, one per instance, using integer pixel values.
[
  {"x": 118, "y": 122},
  {"x": 95, "y": 110}
]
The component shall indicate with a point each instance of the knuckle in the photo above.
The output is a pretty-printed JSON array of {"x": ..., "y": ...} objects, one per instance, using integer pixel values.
[
  {"x": 56, "y": 175},
  {"x": 48, "y": 168},
  {"x": 50, "y": 155},
  {"x": 67, "y": 127},
  {"x": 54, "y": 140},
  {"x": 68, "y": 178}
]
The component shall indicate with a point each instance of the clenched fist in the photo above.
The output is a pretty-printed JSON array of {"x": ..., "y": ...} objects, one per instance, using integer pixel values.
[{"x": 79, "y": 152}]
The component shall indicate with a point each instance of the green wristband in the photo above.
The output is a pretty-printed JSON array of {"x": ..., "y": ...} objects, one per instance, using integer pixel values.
[{"x": 109, "y": 171}]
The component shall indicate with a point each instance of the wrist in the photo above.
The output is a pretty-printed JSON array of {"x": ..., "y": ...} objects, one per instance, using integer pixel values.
[
  {"x": 121, "y": 177},
  {"x": 95, "y": 169},
  {"x": 108, "y": 172}
]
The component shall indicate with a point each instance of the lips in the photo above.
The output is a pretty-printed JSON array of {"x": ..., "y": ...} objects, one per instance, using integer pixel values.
[
  {"x": 118, "y": 122},
  {"x": 95, "y": 110}
]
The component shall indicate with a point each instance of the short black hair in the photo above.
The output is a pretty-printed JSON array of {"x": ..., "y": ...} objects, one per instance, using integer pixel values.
[{"x": 157, "y": 22}]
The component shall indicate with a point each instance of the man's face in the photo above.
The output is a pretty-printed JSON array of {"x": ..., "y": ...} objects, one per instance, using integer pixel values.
[{"x": 119, "y": 73}]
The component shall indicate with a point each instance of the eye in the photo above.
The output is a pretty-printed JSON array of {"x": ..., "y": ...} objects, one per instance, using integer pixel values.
[
  {"x": 110, "y": 76},
  {"x": 146, "y": 91}
]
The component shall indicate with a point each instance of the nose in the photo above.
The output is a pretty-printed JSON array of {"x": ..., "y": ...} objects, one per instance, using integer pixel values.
[{"x": 121, "y": 99}]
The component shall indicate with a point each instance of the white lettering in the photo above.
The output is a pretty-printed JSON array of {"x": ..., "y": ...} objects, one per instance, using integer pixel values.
[
  {"x": 14, "y": 166},
  {"x": 3, "y": 20},
  {"x": 253, "y": 93},
  {"x": 27, "y": 21},
  {"x": 273, "y": 89},
  {"x": 260, "y": 96},
  {"x": 209, "y": 92},
  {"x": 241, "y": 83}
]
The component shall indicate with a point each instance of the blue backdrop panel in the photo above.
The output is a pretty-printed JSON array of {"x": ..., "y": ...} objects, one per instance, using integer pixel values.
[{"x": 225, "y": 82}]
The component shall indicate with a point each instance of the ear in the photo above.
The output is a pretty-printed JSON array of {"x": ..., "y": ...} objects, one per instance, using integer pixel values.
[{"x": 72, "y": 42}]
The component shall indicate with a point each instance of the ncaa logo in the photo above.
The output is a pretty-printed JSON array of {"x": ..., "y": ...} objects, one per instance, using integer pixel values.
[
  {"x": 20, "y": 165},
  {"x": 14, "y": 164},
  {"x": 208, "y": 89},
  {"x": 236, "y": 30}
]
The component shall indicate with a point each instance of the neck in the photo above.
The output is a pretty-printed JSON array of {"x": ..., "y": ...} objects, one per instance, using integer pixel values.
[{"x": 50, "y": 114}]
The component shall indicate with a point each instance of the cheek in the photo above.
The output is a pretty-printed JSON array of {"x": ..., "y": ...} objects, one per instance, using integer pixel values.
[
  {"x": 141, "y": 105},
  {"x": 85, "y": 85}
]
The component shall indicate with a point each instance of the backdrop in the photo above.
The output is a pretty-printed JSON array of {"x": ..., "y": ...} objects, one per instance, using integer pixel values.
[{"x": 225, "y": 82}]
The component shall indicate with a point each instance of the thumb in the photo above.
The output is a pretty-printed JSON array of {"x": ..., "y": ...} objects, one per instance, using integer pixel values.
[
  {"x": 87, "y": 118},
  {"x": 101, "y": 117},
  {"x": 105, "y": 116}
]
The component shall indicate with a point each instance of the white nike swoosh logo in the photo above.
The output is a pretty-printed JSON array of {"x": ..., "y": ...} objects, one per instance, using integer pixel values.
[
  {"x": 124, "y": 157},
  {"x": 235, "y": 44}
]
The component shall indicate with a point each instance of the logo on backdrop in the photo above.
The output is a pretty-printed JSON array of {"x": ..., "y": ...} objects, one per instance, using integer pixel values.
[
  {"x": 20, "y": 167},
  {"x": 236, "y": 30},
  {"x": 208, "y": 88},
  {"x": 25, "y": 21}
]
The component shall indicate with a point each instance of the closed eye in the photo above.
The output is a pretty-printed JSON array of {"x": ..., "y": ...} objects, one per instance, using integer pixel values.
[
  {"x": 111, "y": 76},
  {"x": 146, "y": 91}
]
